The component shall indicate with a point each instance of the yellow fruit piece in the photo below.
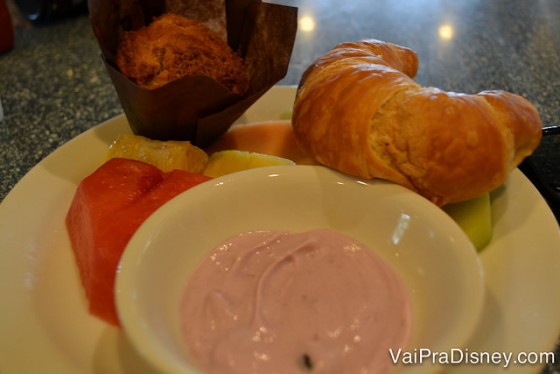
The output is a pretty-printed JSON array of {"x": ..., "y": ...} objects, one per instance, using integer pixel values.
[
  {"x": 286, "y": 115},
  {"x": 165, "y": 155},
  {"x": 475, "y": 218},
  {"x": 231, "y": 161}
]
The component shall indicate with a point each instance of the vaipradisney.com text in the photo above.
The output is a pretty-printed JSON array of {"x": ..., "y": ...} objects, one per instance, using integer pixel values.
[{"x": 462, "y": 356}]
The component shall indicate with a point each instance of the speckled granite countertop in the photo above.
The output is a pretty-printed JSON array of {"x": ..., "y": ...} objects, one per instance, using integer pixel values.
[{"x": 53, "y": 85}]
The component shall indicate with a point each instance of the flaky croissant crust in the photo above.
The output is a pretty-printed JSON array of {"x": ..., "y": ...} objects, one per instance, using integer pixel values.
[{"x": 359, "y": 111}]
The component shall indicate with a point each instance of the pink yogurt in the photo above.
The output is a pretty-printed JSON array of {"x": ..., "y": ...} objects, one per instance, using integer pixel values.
[{"x": 283, "y": 302}]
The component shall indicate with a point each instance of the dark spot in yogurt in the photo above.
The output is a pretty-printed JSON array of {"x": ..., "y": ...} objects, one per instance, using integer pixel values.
[{"x": 307, "y": 362}]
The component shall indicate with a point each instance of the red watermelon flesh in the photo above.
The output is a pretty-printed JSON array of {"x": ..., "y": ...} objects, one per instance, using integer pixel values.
[{"x": 108, "y": 207}]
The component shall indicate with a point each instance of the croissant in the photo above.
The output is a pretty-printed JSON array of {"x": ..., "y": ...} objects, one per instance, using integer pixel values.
[{"x": 359, "y": 111}]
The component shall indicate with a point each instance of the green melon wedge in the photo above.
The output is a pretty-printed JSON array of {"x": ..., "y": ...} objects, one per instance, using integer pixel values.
[{"x": 474, "y": 217}]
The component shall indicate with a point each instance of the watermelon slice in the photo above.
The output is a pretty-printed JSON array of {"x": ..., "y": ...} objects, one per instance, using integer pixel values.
[{"x": 108, "y": 207}]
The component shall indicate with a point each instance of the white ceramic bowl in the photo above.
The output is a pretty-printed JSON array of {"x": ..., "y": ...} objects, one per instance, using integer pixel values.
[{"x": 433, "y": 256}]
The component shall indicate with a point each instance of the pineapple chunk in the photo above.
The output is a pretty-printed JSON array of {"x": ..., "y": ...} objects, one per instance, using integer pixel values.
[
  {"x": 231, "y": 161},
  {"x": 165, "y": 155},
  {"x": 474, "y": 217}
]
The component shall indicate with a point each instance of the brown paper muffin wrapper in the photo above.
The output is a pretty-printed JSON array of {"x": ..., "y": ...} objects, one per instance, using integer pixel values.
[{"x": 197, "y": 108}]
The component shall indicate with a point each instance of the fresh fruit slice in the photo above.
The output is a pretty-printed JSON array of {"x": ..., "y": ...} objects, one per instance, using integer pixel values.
[
  {"x": 165, "y": 155},
  {"x": 271, "y": 138},
  {"x": 107, "y": 208},
  {"x": 475, "y": 218},
  {"x": 231, "y": 161}
]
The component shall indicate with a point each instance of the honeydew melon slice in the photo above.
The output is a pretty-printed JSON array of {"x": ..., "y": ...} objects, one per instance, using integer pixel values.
[{"x": 474, "y": 217}]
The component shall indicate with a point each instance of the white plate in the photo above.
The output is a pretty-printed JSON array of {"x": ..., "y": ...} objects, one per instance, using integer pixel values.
[{"x": 45, "y": 327}]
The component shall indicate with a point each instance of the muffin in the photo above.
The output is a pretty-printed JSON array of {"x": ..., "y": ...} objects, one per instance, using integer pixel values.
[
  {"x": 172, "y": 47},
  {"x": 176, "y": 79}
]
